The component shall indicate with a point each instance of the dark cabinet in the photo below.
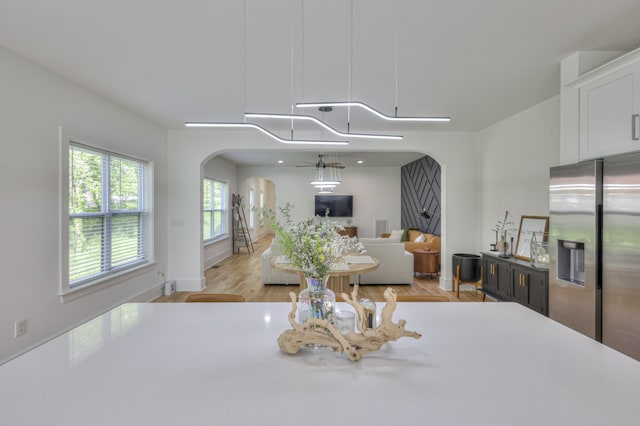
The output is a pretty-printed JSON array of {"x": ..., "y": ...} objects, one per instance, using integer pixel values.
[
  {"x": 539, "y": 293},
  {"x": 497, "y": 278},
  {"x": 513, "y": 280},
  {"x": 490, "y": 276},
  {"x": 520, "y": 280},
  {"x": 505, "y": 286}
]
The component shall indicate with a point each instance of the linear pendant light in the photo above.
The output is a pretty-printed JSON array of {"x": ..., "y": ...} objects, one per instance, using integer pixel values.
[
  {"x": 371, "y": 110},
  {"x": 322, "y": 124},
  {"x": 266, "y": 132}
]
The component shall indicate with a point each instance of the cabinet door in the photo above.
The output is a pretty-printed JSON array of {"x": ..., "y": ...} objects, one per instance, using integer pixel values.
[
  {"x": 608, "y": 114},
  {"x": 490, "y": 278},
  {"x": 504, "y": 280},
  {"x": 521, "y": 286},
  {"x": 539, "y": 292}
]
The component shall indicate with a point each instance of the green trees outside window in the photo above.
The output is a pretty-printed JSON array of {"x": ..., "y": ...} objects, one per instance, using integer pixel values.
[
  {"x": 214, "y": 215},
  {"x": 108, "y": 215}
]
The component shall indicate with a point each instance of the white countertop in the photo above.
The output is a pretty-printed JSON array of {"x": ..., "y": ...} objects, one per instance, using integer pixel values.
[{"x": 219, "y": 364}]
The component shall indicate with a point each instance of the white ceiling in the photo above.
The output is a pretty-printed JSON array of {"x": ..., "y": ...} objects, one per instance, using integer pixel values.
[
  {"x": 478, "y": 61},
  {"x": 298, "y": 158}
]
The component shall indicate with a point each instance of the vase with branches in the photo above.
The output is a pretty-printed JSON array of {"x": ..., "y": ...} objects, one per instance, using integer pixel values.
[
  {"x": 315, "y": 247},
  {"x": 502, "y": 229}
]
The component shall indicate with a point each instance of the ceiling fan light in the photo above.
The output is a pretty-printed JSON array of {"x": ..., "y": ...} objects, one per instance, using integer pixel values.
[{"x": 325, "y": 182}]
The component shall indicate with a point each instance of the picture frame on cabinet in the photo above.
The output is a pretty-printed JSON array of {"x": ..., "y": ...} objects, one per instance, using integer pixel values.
[{"x": 529, "y": 225}]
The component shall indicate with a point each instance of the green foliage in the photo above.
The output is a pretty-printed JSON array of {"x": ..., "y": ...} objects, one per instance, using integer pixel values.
[
  {"x": 124, "y": 184},
  {"x": 88, "y": 208},
  {"x": 85, "y": 181},
  {"x": 313, "y": 245}
]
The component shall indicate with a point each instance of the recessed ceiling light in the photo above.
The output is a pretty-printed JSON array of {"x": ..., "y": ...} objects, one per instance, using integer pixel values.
[
  {"x": 280, "y": 161},
  {"x": 360, "y": 162}
]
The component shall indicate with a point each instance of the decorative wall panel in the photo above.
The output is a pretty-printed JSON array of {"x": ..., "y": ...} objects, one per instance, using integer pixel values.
[{"x": 420, "y": 190}]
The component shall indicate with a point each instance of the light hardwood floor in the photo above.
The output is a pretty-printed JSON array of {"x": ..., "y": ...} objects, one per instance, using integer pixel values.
[{"x": 240, "y": 274}]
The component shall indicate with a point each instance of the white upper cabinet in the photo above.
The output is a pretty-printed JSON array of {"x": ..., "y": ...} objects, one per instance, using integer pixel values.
[{"x": 610, "y": 110}]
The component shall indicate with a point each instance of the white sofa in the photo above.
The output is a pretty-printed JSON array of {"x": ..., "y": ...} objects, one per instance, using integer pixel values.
[
  {"x": 270, "y": 275},
  {"x": 396, "y": 264}
]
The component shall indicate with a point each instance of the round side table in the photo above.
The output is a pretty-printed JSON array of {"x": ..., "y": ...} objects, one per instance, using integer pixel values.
[{"x": 426, "y": 262}]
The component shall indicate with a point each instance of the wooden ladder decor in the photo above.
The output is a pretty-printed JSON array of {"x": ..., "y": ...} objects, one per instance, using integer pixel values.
[{"x": 241, "y": 235}]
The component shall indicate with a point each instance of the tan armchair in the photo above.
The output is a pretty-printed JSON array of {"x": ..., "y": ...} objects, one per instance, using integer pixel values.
[{"x": 431, "y": 242}]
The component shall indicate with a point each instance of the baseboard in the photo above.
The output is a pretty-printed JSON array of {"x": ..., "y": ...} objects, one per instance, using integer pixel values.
[
  {"x": 445, "y": 283},
  {"x": 214, "y": 260},
  {"x": 191, "y": 285},
  {"x": 147, "y": 295}
]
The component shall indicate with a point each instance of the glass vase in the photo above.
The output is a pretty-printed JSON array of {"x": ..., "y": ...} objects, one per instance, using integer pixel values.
[
  {"x": 316, "y": 301},
  {"x": 540, "y": 250},
  {"x": 503, "y": 246}
]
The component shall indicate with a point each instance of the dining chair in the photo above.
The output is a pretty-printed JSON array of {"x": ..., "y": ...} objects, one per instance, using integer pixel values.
[
  {"x": 214, "y": 297},
  {"x": 421, "y": 298}
]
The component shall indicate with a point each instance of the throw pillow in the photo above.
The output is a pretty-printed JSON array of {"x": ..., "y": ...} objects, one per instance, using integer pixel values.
[
  {"x": 395, "y": 236},
  {"x": 420, "y": 239}
]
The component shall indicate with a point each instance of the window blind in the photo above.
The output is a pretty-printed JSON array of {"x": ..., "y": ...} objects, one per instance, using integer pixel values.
[{"x": 108, "y": 213}]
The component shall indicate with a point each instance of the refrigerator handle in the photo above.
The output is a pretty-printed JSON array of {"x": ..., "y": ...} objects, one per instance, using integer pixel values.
[
  {"x": 634, "y": 127},
  {"x": 599, "y": 221}
]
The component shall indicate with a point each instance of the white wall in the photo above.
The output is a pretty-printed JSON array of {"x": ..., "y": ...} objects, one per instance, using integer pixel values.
[
  {"x": 220, "y": 169},
  {"x": 502, "y": 167},
  {"x": 33, "y": 103},
  {"x": 515, "y": 156},
  {"x": 455, "y": 151},
  {"x": 375, "y": 190}
]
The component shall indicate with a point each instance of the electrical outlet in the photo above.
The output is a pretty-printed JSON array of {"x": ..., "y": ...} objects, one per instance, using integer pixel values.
[{"x": 21, "y": 328}]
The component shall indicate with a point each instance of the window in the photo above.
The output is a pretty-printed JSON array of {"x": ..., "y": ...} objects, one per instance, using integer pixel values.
[
  {"x": 214, "y": 201},
  {"x": 251, "y": 204},
  {"x": 109, "y": 219}
]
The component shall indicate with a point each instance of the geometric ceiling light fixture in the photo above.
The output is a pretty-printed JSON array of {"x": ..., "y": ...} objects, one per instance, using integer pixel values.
[
  {"x": 266, "y": 132},
  {"x": 322, "y": 124},
  {"x": 371, "y": 110},
  {"x": 349, "y": 103}
]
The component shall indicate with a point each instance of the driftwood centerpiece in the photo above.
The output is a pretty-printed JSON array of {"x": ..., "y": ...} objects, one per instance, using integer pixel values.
[{"x": 322, "y": 332}]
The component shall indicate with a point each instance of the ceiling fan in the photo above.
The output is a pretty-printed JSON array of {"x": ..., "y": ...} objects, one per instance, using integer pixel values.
[{"x": 321, "y": 164}]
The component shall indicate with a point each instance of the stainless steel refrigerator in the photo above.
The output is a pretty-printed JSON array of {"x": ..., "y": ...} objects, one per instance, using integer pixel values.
[{"x": 594, "y": 243}]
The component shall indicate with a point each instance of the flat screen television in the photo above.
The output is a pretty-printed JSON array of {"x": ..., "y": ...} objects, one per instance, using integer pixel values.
[{"x": 338, "y": 205}]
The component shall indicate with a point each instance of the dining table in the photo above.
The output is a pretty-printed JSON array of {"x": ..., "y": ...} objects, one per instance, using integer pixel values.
[
  {"x": 339, "y": 275},
  {"x": 220, "y": 364}
]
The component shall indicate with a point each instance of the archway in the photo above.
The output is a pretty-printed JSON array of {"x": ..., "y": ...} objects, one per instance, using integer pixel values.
[{"x": 188, "y": 150}]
